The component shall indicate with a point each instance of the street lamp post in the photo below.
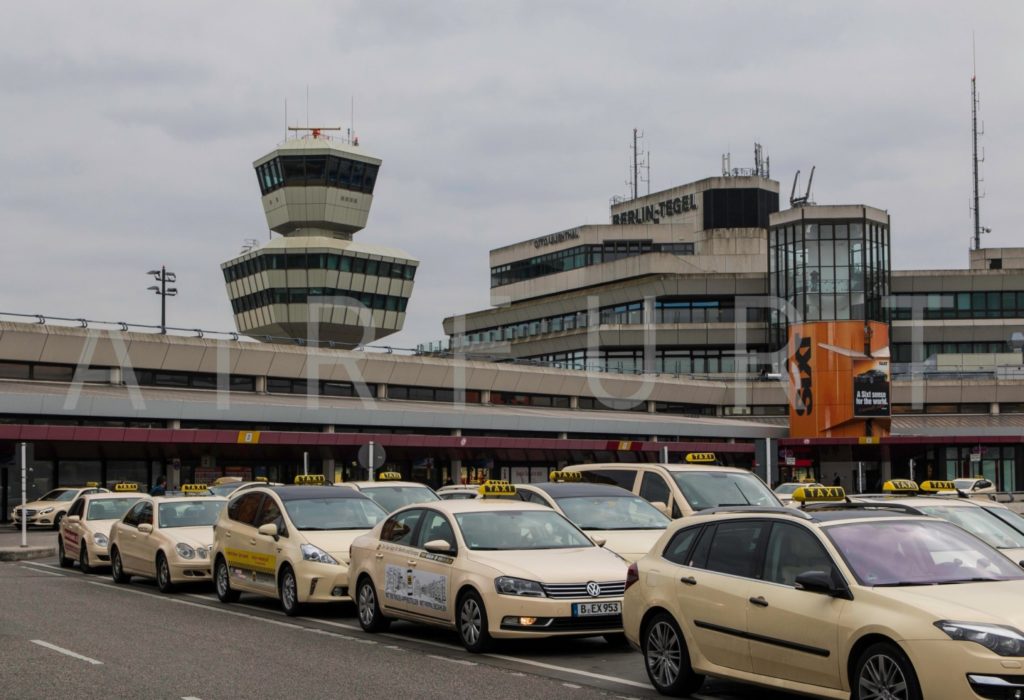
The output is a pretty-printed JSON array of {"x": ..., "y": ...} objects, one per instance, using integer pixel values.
[{"x": 163, "y": 291}]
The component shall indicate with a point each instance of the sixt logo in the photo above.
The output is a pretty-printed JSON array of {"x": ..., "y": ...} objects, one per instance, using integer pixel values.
[{"x": 803, "y": 402}]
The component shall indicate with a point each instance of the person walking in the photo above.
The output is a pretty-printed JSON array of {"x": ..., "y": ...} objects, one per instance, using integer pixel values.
[{"x": 161, "y": 487}]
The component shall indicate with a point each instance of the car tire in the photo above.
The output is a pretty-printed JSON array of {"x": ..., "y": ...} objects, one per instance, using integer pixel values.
[
  {"x": 56, "y": 520},
  {"x": 62, "y": 559},
  {"x": 883, "y": 670},
  {"x": 83, "y": 559},
  {"x": 667, "y": 658},
  {"x": 117, "y": 567},
  {"x": 222, "y": 582},
  {"x": 371, "y": 619},
  {"x": 616, "y": 639},
  {"x": 288, "y": 591},
  {"x": 471, "y": 623},
  {"x": 163, "y": 574}
]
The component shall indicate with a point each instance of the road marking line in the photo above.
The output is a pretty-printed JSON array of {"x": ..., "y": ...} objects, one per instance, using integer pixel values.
[
  {"x": 574, "y": 671},
  {"x": 48, "y": 566},
  {"x": 66, "y": 652},
  {"x": 40, "y": 571},
  {"x": 453, "y": 661},
  {"x": 190, "y": 697},
  {"x": 572, "y": 685}
]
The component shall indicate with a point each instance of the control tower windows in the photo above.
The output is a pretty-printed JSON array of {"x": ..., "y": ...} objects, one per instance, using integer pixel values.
[{"x": 330, "y": 171}]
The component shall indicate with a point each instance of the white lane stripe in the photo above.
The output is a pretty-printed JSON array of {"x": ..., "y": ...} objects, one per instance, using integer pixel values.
[
  {"x": 40, "y": 571},
  {"x": 190, "y": 697},
  {"x": 66, "y": 652},
  {"x": 48, "y": 566},
  {"x": 453, "y": 661},
  {"x": 574, "y": 671}
]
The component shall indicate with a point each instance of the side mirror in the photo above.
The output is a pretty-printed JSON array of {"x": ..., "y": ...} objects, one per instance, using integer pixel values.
[
  {"x": 145, "y": 527},
  {"x": 439, "y": 547},
  {"x": 599, "y": 541},
  {"x": 662, "y": 508},
  {"x": 268, "y": 529},
  {"x": 74, "y": 518},
  {"x": 820, "y": 582}
]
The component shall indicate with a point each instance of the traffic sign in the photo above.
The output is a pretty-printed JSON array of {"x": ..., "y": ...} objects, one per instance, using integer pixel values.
[{"x": 379, "y": 456}]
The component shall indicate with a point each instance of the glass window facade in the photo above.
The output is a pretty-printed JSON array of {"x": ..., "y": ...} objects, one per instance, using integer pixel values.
[
  {"x": 318, "y": 261},
  {"x": 311, "y": 295},
  {"x": 317, "y": 170}
]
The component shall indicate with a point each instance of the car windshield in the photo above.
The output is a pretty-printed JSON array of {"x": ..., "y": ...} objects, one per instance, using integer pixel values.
[
  {"x": 1014, "y": 520},
  {"x": 228, "y": 488},
  {"x": 60, "y": 495},
  {"x": 391, "y": 498},
  {"x": 334, "y": 513},
  {"x": 918, "y": 552},
  {"x": 964, "y": 484},
  {"x": 786, "y": 489},
  {"x": 980, "y": 523},
  {"x": 712, "y": 489},
  {"x": 518, "y": 530},
  {"x": 110, "y": 508},
  {"x": 612, "y": 513},
  {"x": 457, "y": 495},
  {"x": 195, "y": 513}
]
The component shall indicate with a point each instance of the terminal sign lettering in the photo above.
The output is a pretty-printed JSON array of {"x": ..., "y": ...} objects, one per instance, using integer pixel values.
[{"x": 653, "y": 213}]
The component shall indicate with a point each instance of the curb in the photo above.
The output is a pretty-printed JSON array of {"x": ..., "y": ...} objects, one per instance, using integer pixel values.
[{"x": 23, "y": 553}]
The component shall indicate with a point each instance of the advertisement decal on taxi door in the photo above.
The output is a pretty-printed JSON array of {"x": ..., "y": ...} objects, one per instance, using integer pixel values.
[{"x": 417, "y": 589}]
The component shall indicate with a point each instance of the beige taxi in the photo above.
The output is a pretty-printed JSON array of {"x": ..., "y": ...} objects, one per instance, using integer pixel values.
[
  {"x": 455, "y": 492},
  {"x": 50, "y": 509},
  {"x": 678, "y": 490},
  {"x": 290, "y": 543},
  {"x": 487, "y": 568},
  {"x": 391, "y": 493},
  {"x": 612, "y": 516},
  {"x": 85, "y": 531},
  {"x": 938, "y": 499},
  {"x": 852, "y": 602},
  {"x": 166, "y": 538},
  {"x": 785, "y": 491}
]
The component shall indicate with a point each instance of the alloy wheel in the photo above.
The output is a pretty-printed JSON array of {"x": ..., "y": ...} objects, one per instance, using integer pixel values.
[
  {"x": 881, "y": 678},
  {"x": 663, "y": 653},
  {"x": 470, "y": 621}
]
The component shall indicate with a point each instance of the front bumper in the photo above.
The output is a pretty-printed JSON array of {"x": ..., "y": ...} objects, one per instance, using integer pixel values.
[
  {"x": 185, "y": 570},
  {"x": 322, "y": 583},
  {"x": 552, "y": 617},
  {"x": 954, "y": 669},
  {"x": 36, "y": 518}
]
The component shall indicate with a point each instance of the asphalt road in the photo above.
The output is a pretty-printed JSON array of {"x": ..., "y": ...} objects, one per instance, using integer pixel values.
[{"x": 62, "y": 632}]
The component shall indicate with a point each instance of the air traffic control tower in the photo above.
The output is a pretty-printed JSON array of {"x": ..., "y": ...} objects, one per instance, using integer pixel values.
[{"x": 313, "y": 281}]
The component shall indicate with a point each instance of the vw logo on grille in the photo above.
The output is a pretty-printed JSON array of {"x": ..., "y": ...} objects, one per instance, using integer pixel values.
[{"x": 593, "y": 589}]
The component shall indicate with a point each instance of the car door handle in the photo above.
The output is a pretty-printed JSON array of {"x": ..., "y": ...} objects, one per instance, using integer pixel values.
[
  {"x": 378, "y": 555},
  {"x": 759, "y": 601},
  {"x": 689, "y": 580}
]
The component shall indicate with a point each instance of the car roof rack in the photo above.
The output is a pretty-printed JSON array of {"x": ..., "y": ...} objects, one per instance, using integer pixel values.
[{"x": 777, "y": 510}]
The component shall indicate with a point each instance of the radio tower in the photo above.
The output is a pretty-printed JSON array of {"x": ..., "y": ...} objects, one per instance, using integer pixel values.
[{"x": 978, "y": 230}]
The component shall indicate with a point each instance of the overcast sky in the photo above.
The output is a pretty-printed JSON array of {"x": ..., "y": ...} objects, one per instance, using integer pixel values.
[{"x": 128, "y": 130}]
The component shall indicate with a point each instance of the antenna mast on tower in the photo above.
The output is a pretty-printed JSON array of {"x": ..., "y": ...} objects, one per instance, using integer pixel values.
[
  {"x": 976, "y": 160},
  {"x": 641, "y": 162}
]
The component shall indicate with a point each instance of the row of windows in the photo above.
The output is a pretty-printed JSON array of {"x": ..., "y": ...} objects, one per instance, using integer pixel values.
[
  {"x": 312, "y": 295},
  {"x": 330, "y": 171},
  {"x": 318, "y": 261},
  {"x": 581, "y": 256},
  {"x": 903, "y": 352},
  {"x": 666, "y": 310},
  {"x": 958, "y": 305},
  {"x": 426, "y": 393},
  {"x": 281, "y": 385}
]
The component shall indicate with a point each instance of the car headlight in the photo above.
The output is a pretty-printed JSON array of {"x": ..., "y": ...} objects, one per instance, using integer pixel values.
[
  {"x": 507, "y": 585},
  {"x": 203, "y": 552},
  {"x": 1005, "y": 641},
  {"x": 99, "y": 539},
  {"x": 311, "y": 553},
  {"x": 185, "y": 551},
  {"x": 46, "y": 510}
]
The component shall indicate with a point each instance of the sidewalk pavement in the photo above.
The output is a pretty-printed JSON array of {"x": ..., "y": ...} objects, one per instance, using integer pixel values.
[{"x": 42, "y": 544}]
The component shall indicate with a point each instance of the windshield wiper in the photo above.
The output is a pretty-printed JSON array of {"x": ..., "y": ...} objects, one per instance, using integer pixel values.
[
  {"x": 970, "y": 580},
  {"x": 905, "y": 583}
]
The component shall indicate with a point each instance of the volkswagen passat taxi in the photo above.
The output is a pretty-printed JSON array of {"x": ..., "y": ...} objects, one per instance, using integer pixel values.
[
  {"x": 84, "y": 533},
  {"x": 487, "y": 568},
  {"x": 166, "y": 538},
  {"x": 290, "y": 542},
  {"x": 853, "y": 602},
  {"x": 626, "y": 524},
  {"x": 391, "y": 493},
  {"x": 50, "y": 509}
]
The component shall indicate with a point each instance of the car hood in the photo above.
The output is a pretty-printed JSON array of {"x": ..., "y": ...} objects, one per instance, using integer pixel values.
[
  {"x": 38, "y": 505},
  {"x": 198, "y": 536},
  {"x": 334, "y": 542},
  {"x": 628, "y": 544},
  {"x": 555, "y": 565},
  {"x": 982, "y": 601},
  {"x": 103, "y": 526}
]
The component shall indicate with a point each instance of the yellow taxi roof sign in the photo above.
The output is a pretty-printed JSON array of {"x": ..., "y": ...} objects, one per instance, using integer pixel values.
[
  {"x": 310, "y": 479},
  {"x": 701, "y": 458},
  {"x": 126, "y": 486},
  {"x": 389, "y": 476},
  {"x": 565, "y": 476},
  {"x": 900, "y": 486},
  {"x": 497, "y": 487},
  {"x": 935, "y": 486},
  {"x": 193, "y": 488},
  {"x": 92, "y": 484},
  {"x": 805, "y": 494},
  {"x": 263, "y": 479}
]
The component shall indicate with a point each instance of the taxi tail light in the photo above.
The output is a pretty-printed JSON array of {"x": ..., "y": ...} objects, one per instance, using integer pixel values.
[{"x": 632, "y": 575}]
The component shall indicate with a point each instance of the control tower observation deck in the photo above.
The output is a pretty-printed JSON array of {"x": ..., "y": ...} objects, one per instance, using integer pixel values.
[{"x": 314, "y": 281}]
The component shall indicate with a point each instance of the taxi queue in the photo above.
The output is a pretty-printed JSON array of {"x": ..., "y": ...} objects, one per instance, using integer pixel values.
[{"x": 834, "y": 596}]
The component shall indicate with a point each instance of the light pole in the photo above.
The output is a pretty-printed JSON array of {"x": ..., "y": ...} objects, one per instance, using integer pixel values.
[
  {"x": 163, "y": 291},
  {"x": 1017, "y": 343}
]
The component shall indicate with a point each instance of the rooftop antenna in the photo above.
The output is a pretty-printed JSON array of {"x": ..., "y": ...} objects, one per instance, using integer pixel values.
[
  {"x": 639, "y": 162},
  {"x": 805, "y": 200},
  {"x": 976, "y": 160}
]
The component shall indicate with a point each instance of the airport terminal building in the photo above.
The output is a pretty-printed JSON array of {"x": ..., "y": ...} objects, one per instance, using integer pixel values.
[{"x": 664, "y": 329}]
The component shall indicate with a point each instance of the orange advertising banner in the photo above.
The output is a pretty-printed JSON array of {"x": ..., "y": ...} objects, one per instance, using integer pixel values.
[{"x": 839, "y": 379}]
